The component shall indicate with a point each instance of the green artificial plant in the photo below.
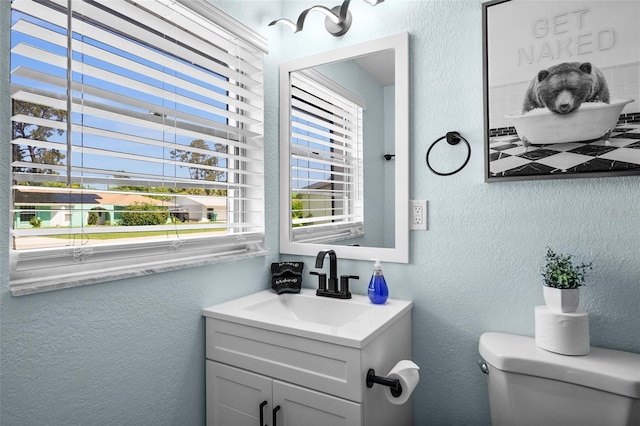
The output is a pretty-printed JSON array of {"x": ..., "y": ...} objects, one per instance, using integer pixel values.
[{"x": 561, "y": 272}]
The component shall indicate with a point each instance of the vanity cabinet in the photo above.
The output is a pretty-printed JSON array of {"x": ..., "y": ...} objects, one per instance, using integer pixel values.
[
  {"x": 252, "y": 369},
  {"x": 240, "y": 397}
]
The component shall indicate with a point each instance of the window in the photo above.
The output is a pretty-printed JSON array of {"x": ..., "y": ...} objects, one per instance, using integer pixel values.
[
  {"x": 326, "y": 160},
  {"x": 133, "y": 121},
  {"x": 27, "y": 213}
]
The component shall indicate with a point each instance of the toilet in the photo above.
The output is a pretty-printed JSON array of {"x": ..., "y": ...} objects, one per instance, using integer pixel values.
[{"x": 531, "y": 386}]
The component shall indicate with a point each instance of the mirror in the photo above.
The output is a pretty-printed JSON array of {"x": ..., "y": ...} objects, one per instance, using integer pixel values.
[{"x": 341, "y": 113}]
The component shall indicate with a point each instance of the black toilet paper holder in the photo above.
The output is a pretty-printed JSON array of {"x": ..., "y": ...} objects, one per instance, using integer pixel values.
[{"x": 394, "y": 384}]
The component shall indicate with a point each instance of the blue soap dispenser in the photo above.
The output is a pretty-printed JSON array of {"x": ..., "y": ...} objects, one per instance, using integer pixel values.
[{"x": 378, "y": 291}]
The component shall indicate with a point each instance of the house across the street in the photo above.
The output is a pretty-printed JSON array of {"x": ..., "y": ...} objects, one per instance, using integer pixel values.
[{"x": 57, "y": 207}]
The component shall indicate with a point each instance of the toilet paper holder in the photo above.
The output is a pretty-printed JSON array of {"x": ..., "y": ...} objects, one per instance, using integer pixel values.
[{"x": 394, "y": 384}]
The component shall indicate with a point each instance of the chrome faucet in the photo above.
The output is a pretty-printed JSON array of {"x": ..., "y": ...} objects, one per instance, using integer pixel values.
[{"x": 332, "y": 289}]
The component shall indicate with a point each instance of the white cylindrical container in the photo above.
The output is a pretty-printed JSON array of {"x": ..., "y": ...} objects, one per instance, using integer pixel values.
[{"x": 562, "y": 333}]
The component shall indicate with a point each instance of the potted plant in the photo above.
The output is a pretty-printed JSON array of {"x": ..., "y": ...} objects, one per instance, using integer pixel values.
[{"x": 562, "y": 281}]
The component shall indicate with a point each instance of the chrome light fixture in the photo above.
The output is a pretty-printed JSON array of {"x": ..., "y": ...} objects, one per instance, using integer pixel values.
[{"x": 337, "y": 22}]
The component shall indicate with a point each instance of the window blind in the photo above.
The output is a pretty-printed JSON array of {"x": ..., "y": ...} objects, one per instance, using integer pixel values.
[
  {"x": 326, "y": 160},
  {"x": 137, "y": 139}
]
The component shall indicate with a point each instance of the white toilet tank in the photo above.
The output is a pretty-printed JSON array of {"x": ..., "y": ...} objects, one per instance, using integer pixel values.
[{"x": 531, "y": 386}]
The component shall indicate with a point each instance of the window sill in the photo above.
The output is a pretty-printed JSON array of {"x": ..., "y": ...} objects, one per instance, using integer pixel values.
[{"x": 97, "y": 267}]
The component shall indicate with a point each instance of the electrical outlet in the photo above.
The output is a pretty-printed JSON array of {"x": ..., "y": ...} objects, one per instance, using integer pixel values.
[{"x": 418, "y": 215}]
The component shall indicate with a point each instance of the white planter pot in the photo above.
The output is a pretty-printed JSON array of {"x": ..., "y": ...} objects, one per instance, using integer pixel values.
[{"x": 561, "y": 300}]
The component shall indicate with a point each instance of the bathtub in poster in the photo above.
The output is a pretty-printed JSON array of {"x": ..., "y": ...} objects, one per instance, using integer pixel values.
[{"x": 592, "y": 121}]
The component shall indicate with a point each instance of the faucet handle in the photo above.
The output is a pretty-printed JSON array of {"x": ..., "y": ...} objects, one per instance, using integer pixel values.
[
  {"x": 322, "y": 280},
  {"x": 344, "y": 284}
]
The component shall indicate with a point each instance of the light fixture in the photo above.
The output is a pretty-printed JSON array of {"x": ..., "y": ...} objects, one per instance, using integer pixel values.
[{"x": 337, "y": 22}]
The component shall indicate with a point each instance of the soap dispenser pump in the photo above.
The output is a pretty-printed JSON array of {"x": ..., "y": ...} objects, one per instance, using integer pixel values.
[{"x": 378, "y": 291}]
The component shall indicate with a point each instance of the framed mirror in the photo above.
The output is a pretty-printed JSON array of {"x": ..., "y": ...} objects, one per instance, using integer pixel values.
[{"x": 344, "y": 152}]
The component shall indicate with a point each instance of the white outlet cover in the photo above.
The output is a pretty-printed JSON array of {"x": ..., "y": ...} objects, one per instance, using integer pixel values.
[{"x": 418, "y": 223}]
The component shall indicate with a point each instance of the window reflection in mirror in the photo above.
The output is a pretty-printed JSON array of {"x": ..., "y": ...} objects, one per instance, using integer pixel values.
[
  {"x": 326, "y": 160},
  {"x": 340, "y": 116}
]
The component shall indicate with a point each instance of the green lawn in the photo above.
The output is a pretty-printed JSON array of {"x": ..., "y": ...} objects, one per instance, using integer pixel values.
[{"x": 116, "y": 235}]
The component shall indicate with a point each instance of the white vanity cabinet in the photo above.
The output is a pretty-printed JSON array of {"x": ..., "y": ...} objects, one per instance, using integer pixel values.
[
  {"x": 236, "y": 397},
  {"x": 239, "y": 397},
  {"x": 300, "y": 374}
]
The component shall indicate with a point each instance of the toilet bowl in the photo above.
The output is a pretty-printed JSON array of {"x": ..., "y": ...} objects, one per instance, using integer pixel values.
[{"x": 531, "y": 386}]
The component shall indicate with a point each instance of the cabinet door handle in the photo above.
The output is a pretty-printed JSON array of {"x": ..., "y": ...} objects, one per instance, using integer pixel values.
[
  {"x": 262, "y": 404},
  {"x": 275, "y": 416}
]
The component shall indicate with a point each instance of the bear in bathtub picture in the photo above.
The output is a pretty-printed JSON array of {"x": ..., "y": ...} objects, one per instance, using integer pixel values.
[
  {"x": 567, "y": 102},
  {"x": 563, "y": 88}
]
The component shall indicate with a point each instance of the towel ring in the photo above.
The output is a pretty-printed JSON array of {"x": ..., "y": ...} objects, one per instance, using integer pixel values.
[{"x": 453, "y": 138}]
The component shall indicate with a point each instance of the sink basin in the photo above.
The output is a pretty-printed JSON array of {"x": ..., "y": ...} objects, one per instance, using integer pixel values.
[
  {"x": 353, "y": 322},
  {"x": 317, "y": 310}
]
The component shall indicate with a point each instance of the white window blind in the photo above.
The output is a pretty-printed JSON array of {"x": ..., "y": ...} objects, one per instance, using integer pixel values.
[
  {"x": 326, "y": 160},
  {"x": 137, "y": 139}
]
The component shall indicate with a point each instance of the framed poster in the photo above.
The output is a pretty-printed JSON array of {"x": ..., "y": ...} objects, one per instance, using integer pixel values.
[{"x": 561, "y": 88}]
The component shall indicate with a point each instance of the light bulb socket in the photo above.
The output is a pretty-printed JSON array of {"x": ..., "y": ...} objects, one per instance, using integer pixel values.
[{"x": 340, "y": 28}]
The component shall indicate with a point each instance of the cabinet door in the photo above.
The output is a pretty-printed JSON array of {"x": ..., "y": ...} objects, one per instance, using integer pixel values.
[
  {"x": 236, "y": 397},
  {"x": 301, "y": 406}
]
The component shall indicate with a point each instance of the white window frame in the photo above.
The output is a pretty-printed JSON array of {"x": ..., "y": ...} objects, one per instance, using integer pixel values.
[{"x": 42, "y": 269}]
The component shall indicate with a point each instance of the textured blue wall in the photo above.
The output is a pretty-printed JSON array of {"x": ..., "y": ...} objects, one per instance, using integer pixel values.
[{"x": 131, "y": 352}]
